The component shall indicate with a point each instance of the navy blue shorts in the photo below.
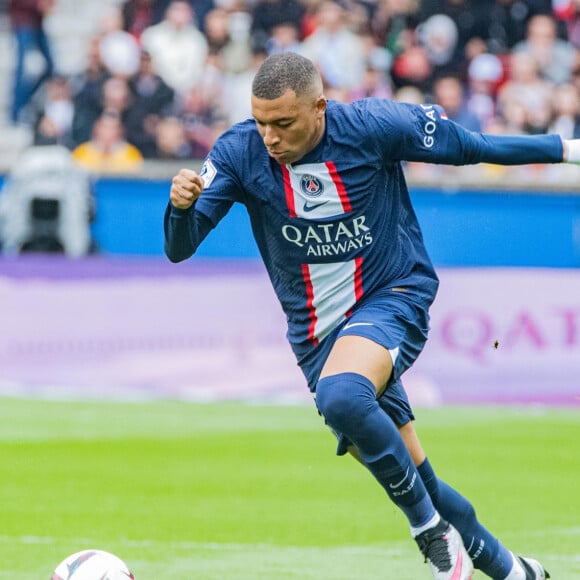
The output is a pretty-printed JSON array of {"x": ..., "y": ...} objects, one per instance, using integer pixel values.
[{"x": 396, "y": 320}]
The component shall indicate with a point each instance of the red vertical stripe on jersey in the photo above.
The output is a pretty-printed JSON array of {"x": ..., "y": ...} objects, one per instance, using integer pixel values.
[
  {"x": 339, "y": 186},
  {"x": 358, "y": 286},
  {"x": 310, "y": 303},
  {"x": 288, "y": 191}
]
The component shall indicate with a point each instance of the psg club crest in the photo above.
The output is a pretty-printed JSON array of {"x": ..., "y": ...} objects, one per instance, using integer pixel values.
[{"x": 311, "y": 186}]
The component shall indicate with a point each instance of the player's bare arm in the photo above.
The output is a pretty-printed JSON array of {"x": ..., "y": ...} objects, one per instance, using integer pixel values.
[{"x": 186, "y": 187}]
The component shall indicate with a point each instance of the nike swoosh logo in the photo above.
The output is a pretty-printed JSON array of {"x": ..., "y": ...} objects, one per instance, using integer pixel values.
[
  {"x": 306, "y": 207},
  {"x": 459, "y": 568},
  {"x": 357, "y": 324},
  {"x": 396, "y": 485}
]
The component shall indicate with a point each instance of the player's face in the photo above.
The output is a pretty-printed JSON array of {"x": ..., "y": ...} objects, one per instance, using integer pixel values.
[{"x": 290, "y": 126}]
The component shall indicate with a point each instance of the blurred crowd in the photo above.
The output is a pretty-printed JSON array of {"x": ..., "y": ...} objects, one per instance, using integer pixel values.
[{"x": 163, "y": 78}]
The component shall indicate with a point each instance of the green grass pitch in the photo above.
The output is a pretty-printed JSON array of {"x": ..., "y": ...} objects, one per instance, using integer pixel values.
[{"x": 183, "y": 491}]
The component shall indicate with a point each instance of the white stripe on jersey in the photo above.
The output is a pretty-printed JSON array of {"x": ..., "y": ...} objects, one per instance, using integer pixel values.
[
  {"x": 314, "y": 191},
  {"x": 332, "y": 289}
]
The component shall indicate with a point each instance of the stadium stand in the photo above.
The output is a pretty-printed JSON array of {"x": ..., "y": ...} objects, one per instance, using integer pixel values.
[
  {"x": 69, "y": 26},
  {"x": 402, "y": 55}
]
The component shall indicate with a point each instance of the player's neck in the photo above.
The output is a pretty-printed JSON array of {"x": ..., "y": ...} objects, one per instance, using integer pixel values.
[{"x": 316, "y": 140}]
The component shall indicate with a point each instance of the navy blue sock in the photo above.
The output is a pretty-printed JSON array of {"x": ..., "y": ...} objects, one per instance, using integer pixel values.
[
  {"x": 488, "y": 554},
  {"x": 349, "y": 405}
]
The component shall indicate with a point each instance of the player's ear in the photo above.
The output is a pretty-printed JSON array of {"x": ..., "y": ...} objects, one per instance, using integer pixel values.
[{"x": 321, "y": 105}]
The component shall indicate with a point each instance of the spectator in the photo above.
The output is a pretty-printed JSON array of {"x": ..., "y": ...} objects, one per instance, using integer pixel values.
[
  {"x": 238, "y": 88},
  {"x": 141, "y": 14},
  {"x": 267, "y": 14},
  {"x": 202, "y": 7},
  {"x": 178, "y": 48},
  {"x": 409, "y": 94},
  {"x": 471, "y": 19},
  {"x": 170, "y": 140},
  {"x": 309, "y": 20},
  {"x": 27, "y": 25},
  {"x": 54, "y": 122},
  {"x": 448, "y": 92},
  {"x": 485, "y": 74},
  {"x": 217, "y": 29},
  {"x": 87, "y": 90},
  {"x": 570, "y": 17},
  {"x": 202, "y": 110},
  {"x": 513, "y": 116},
  {"x": 228, "y": 35},
  {"x": 376, "y": 81},
  {"x": 120, "y": 53},
  {"x": 507, "y": 21},
  {"x": 335, "y": 49},
  {"x": 119, "y": 50},
  {"x": 394, "y": 22},
  {"x": 138, "y": 15},
  {"x": 413, "y": 68},
  {"x": 117, "y": 97},
  {"x": 529, "y": 90},
  {"x": 566, "y": 121},
  {"x": 438, "y": 35},
  {"x": 108, "y": 151},
  {"x": 114, "y": 98},
  {"x": 285, "y": 37},
  {"x": 203, "y": 120},
  {"x": 554, "y": 57},
  {"x": 151, "y": 98}
]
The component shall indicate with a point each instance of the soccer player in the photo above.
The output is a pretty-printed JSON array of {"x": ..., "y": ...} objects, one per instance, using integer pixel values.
[{"x": 323, "y": 184}]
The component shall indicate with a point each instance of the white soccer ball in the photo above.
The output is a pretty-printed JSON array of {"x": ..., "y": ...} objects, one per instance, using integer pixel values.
[{"x": 92, "y": 565}]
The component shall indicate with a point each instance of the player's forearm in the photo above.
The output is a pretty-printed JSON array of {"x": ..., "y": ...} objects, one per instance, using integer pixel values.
[
  {"x": 183, "y": 233},
  {"x": 508, "y": 149}
]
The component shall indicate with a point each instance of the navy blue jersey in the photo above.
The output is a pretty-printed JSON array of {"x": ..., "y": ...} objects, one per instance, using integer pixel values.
[{"x": 338, "y": 225}]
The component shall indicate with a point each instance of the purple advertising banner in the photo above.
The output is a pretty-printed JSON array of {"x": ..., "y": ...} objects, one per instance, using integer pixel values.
[
  {"x": 210, "y": 331},
  {"x": 503, "y": 336}
]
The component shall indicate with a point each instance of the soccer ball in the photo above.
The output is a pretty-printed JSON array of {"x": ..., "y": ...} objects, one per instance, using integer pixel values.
[{"x": 92, "y": 565}]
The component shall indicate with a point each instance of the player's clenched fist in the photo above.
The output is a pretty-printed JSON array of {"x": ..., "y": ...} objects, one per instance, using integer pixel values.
[{"x": 186, "y": 187}]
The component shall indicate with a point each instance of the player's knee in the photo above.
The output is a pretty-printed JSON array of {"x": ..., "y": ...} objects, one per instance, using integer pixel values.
[{"x": 344, "y": 399}]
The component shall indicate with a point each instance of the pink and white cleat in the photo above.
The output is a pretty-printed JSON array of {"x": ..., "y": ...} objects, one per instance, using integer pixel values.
[
  {"x": 443, "y": 549},
  {"x": 533, "y": 569}
]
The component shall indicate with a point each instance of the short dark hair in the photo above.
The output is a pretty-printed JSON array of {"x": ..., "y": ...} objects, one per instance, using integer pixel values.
[{"x": 282, "y": 72}]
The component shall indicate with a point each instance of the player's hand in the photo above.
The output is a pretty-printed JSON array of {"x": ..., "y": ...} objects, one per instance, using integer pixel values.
[{"x": 186, "y": 187}]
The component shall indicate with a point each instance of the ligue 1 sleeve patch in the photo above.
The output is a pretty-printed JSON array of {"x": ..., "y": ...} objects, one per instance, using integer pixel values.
[{"x": 208, "y": 172}]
